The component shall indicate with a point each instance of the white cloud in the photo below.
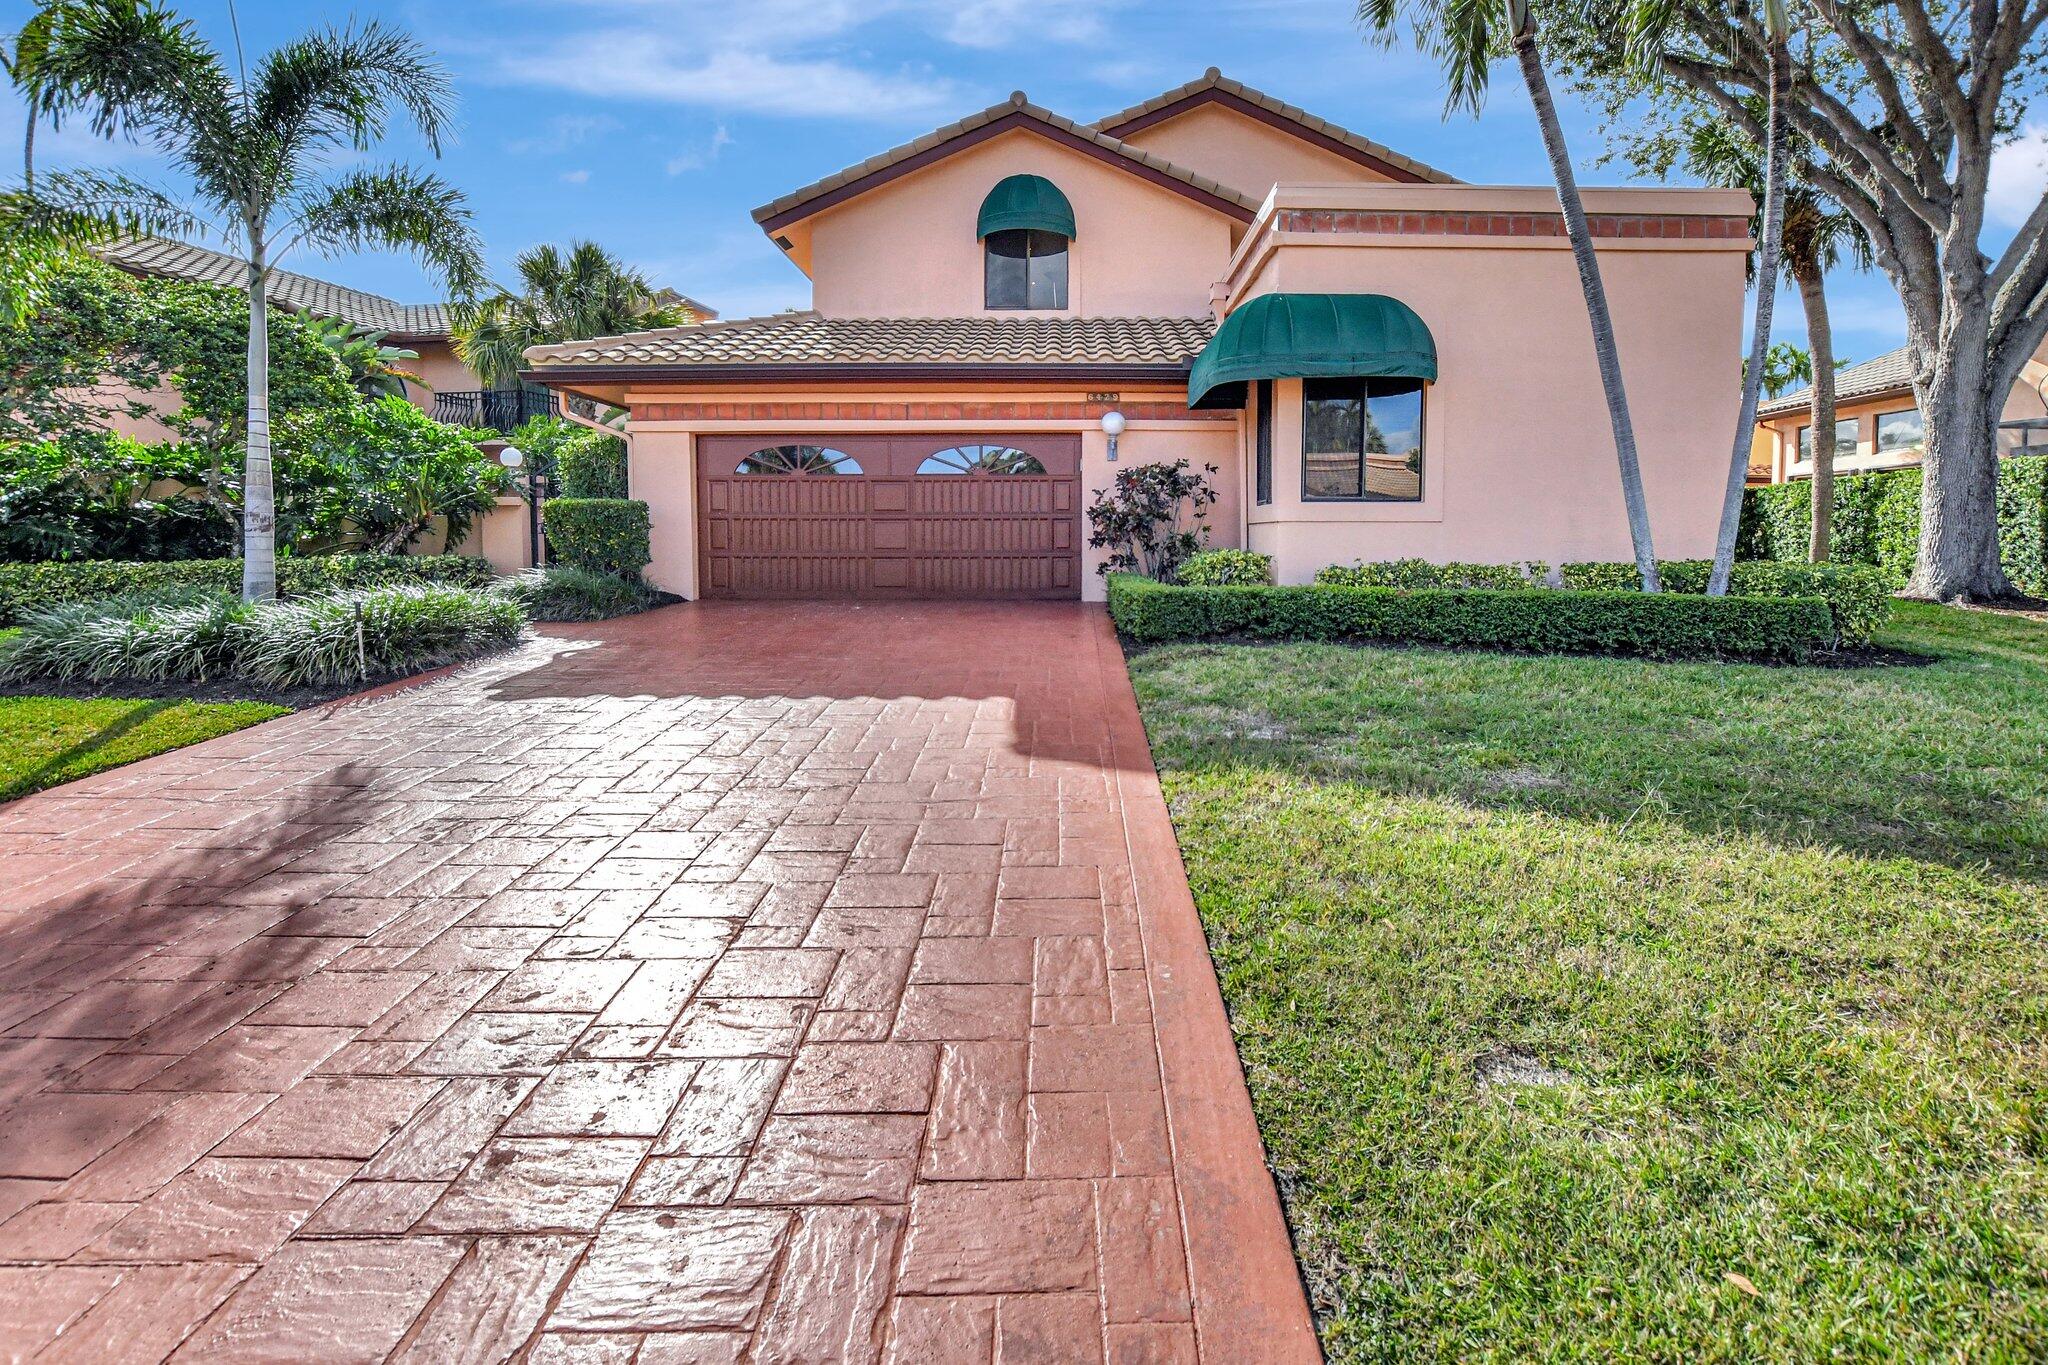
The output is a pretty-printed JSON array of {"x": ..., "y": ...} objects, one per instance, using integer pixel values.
[
  {"x": 661, "y": 66},
  {"x": 562, "y": 132},
  {"x": 2019, "y": 176},
  {"x": 576, "y": 177},
  {"x": 992, "y": 24},
  {"x": 697, "y": 158}
]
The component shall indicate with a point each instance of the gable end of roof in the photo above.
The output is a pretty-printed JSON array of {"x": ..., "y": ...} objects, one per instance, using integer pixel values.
[
  {"x": 1213, "y": 87},
  {"x": 1014, "y": 113}
]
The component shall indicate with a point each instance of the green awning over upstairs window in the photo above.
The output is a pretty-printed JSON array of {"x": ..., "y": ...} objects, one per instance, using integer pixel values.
[
  {"x": 1025, "y": 201},
  {"x": 1302, "y": 336}
]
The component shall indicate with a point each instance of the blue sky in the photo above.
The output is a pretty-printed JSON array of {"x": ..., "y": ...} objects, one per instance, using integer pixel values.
[{"x": 654, "y": 126}]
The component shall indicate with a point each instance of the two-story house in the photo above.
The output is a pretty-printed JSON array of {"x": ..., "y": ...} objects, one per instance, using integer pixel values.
[{"x": 1378, "y": 360}]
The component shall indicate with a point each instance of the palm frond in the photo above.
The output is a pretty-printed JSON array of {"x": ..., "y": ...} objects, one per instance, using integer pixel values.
[
  {"x": 67, "y": 213},
  {"x": 395, "y": 207},
  {"x": 123, "y": 65},
  {"x": 339, "y": 87}
]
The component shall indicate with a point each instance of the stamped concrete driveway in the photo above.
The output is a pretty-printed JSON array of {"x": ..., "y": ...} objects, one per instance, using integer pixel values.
[{"x": 780, "y": 983}]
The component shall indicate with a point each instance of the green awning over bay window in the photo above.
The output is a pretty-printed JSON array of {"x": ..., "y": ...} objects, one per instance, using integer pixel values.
[
  {"x": 1025, "y": 201},
  {"x": 1304, "y": 336}
]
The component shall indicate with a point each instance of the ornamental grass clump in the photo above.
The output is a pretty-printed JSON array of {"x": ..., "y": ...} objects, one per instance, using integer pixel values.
[
  {"x": 355, "y": 636},
  {"x": 568, "y": 593},
  {"x": 145, "y": 636}
]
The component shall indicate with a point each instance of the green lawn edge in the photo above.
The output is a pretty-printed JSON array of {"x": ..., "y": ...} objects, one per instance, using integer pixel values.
[{"x": 46, "y": 741}]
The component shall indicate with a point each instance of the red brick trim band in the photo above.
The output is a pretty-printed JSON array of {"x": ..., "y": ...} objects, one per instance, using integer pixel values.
[
  {"x": 917, "y": 412},
  {"x": 1648, "y": 227}
]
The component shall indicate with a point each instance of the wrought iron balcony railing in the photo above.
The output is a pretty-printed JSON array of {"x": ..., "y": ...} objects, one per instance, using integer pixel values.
[{"x": 499, "y": 409}]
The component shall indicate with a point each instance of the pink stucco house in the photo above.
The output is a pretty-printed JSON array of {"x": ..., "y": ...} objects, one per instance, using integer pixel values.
[{"x": 1379, "y": 360}]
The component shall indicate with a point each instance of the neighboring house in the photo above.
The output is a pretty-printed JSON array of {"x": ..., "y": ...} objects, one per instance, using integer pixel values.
[
  {"x": 1877, "y": 421},
  {"x": 1378, "y": 360},
  {"x": 450, "y": 390}
]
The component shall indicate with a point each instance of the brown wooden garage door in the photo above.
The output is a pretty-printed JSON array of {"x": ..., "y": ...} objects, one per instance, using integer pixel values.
[{"x": 890, "y": 516}]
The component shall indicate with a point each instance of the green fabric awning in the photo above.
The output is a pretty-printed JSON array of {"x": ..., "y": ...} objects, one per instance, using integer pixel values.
[
  {"x": 1025, "y": 201},
  {"x": 1300, "y": 336}
]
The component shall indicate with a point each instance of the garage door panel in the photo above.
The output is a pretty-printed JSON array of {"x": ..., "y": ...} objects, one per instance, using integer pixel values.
[{"x": 887, "y": 531}]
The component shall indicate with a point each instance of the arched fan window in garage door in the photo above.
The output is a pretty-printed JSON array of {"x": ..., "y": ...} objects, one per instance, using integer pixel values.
[
  {"x": 798, "y": 460},
  {"x": 981, "y": 459}
]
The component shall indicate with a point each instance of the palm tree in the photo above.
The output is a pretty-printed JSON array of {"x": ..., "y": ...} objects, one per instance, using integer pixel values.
[
  {"x": 251, "y": 145},
  {"x": 373, "y": 368},
  {"x": 1464, "y": 36},
  {"x": 562, "y": 296},
  {"x": 1777, "y": 23},
  {"x": 1818, "y": 234}
]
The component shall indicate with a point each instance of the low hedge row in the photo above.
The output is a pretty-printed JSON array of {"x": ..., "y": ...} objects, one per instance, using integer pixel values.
[
  {"x": 603, "y": 535},
  {"x": 1420, "y": 573},
  {"x": 1663, "y": 625},
  {"x": 1858, "y": 597},
  {"x": 29, "y": 588},
  {"x": 1877, "y": 522}
]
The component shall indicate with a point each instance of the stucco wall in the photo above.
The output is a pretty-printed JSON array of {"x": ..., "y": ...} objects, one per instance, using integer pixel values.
[
  {"x": 1243, "y": 153},
  {"x": 440, "y": 368},
  {"x": 1518, "y": 460},
  {"x": 908, "y": 249}
]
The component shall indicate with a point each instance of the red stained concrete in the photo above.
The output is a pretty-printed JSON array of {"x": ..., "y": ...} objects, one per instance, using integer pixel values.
[{"x": 783, "y": 983}]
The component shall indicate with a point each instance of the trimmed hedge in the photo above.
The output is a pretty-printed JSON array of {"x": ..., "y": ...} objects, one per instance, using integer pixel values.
[
  {"x": 591, "y": 464},
  {"x": 604, "y": 535},
  {"x": 1877, "y": 522},
  {"x": 1663, "y": 625},
  {"x": 1858, "y": 597},
  {"x": 1217, "y": 568},
  {"x": 28, "y": 588},
  {"x": 1420, "y": 573}
]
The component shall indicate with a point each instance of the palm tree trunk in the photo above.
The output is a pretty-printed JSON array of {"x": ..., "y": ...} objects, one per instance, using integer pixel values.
[
  {"x": 1604, "y": 349},
  {"x": 1767, "y": 252},
  {"x": 1820, "y": 341},
  {"x": 28, "y": 154},
  {"x": 259, "y": 506}
]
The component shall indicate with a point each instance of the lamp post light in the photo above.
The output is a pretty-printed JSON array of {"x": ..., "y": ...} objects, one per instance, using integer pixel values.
[
  {"x": 1112, "y": 427},
  {"x": 514, "y": 459}
]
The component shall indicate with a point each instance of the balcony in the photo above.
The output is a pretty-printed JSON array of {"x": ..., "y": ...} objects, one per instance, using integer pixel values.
[{"x": 502, "y": 410}]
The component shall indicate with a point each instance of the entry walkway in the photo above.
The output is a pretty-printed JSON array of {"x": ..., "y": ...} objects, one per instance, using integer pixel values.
[{"x": 807, "y": 982}]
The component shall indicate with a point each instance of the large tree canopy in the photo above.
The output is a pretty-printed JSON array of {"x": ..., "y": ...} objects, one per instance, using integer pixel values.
[{"x": 1903, "y": 104}]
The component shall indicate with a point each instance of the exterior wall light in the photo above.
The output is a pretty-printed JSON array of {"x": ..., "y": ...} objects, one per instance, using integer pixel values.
[{"x": 1112, "y": 427}]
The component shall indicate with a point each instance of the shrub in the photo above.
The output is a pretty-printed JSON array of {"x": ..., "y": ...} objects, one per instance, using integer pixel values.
[
  {"x": 1858, "y": 598},
  {"x": 1220, "y": 568},
  {"x": 591, "y": 464},
  {"x": 177, "y": 635},
  {"x": 563, "y": 593},
  {"x": 355, "y": 636},
  {"x": 29, "y": 588},
  {"x": 1420, "y": 573},
  {"x": 1877, "y": 522},
  {"x": 604, "y": 535},
  {"x": 1665, "y": 625},
  {"x": 387, "y": 472},
  {"x": 1139, "y": 518}
]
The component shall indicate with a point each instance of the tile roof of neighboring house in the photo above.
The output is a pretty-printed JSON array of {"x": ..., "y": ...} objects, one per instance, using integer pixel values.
[
  {"x": 807, "y": 339},
  {"x": 1213, "y": 82},
  {"x": 1891, "y": 372},
  {"x": 181, "y": 260},
  {"x": 901, "y": 160}
]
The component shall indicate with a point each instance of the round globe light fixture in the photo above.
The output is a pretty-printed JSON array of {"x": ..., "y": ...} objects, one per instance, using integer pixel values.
[
  {"x": 1112, "y": 427},
  {"x": 512, "y": 457}
]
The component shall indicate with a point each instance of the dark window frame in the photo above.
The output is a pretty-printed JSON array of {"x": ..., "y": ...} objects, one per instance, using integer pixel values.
[
  {"x": 1802, "y": 449},
  {"x": 1877, "y": 445},
  {"x": 1366, "y": 395},
  {"x": 1262, "y": 446},
  {"x": 1032, "y": 241}
]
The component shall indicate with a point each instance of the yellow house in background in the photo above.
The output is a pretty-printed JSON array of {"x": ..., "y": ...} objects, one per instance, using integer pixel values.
[{"x": 1878, "y": 424}]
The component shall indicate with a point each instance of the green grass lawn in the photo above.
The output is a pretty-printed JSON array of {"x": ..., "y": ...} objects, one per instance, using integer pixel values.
[
  {"x": 47, "y": 740},
  {"x": 1599, "y": 1009}
]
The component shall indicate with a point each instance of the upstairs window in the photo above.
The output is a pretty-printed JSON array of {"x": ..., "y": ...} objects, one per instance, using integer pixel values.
[{"x": 1025, "y": 268}]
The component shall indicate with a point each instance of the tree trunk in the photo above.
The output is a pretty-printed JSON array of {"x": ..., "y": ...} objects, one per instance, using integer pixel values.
[
  {"x": 1958, "y": 552},
  {"x": 1760, "y": 336},
  {"x": 259, "y": 506},
  {"x": 28, "y": 155},
  {"x": 1820, "y": 342},
  {"x": 1604, "y": 349}
]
